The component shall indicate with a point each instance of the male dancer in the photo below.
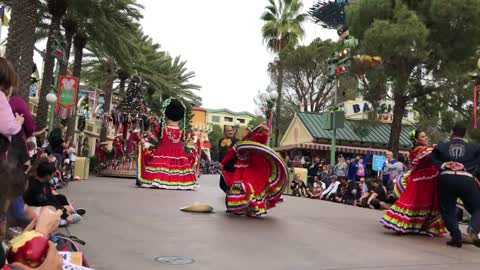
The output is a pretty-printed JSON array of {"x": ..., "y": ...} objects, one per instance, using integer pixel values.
[
  {"x": 226, "y": 143},
  {"x": 457, "y": 160}
]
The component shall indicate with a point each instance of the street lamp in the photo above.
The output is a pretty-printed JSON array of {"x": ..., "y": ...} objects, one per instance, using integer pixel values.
[
  {"x": 51, "y": 100},
  {"x": 271, "y": 98}
]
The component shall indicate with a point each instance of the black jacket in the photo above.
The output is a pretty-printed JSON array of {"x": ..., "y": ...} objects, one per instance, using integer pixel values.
[
  {"x": 40, "y": 194},
  {"x": 458, "y": 150}
]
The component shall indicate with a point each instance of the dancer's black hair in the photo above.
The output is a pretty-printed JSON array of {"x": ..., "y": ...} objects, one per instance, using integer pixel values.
[
  {"x": 414, "y": 135},
  {"x": 175, "y": 110}
]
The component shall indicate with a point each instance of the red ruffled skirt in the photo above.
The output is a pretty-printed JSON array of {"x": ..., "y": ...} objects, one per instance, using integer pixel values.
[
  {"x": 167, "y": 168},
  {"x": 258, "y": 181},
  {"x": 417, "y": 210}
]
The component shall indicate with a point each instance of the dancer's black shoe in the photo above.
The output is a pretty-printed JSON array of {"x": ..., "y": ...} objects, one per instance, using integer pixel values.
[{"x": 453, "y": 243}]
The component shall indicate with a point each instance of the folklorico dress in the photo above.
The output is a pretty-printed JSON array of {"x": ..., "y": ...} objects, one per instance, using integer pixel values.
[
  {"x": 259, "y": 178},
  {"x": 168, "y": 166},
  {"x": 417, "y": 209}
]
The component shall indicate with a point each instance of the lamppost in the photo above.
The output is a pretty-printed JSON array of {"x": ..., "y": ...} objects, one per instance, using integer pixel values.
[
  {"x": 271, "y": 98},
  {"x": 51, "y": 100}
]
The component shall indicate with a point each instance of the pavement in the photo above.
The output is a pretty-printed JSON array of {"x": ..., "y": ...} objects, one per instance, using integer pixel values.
[{"x": 127, "y": 227}]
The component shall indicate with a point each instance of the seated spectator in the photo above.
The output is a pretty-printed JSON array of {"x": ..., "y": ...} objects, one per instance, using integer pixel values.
[
  {"x": 377, "y": 197},
  {"x": 349, "y": 193},
  {"x": 40, "y": 193},
  {"x": 316, "y": 189},
  {"x": 298, "y": 187},
  {"x": 12, "y": 186},
  {"x": 331, "y": 191},
  {"x": 362, "y": 192}
]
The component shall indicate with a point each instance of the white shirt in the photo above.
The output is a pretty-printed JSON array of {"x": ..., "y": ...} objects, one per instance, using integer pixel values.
[
  {"x": 331, "y": 189},
  {"x": 321, "y": 184}
]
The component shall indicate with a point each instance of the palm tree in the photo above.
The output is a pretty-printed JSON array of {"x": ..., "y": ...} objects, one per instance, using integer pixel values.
[
  {"x": 70, "y": 24},
  {"x": 123, "y": 74},
  {"x": 282, "y": 28},
  {"x": 114, "y": 16},
  {"x": 20, "y": 41},
  {"x": 56, "y": 8}
]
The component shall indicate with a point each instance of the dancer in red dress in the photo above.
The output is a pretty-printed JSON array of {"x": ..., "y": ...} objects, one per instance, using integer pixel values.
[
  {"x": 168, "y": 166},
  {"x": 417, "y": 209},
  {"x": 260, "y": 176}
]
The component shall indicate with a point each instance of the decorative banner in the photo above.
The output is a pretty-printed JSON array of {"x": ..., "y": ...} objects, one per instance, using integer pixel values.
[
  {"x": 378, "y": 162},
  {"x": 67, "y": 95}
]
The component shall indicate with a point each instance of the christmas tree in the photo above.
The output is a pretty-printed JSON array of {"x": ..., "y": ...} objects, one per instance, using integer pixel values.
[{"x": 133, "y": 103}]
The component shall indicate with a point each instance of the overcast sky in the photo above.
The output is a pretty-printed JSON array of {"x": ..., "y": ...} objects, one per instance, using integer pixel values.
[{"x": 221, "y": 42}]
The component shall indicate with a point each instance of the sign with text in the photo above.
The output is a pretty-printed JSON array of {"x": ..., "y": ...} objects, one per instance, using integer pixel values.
[{"x": 377, "y": 163}]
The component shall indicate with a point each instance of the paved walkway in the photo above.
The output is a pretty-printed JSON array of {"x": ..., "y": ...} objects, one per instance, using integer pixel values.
[{"x": 127, "y": 227}]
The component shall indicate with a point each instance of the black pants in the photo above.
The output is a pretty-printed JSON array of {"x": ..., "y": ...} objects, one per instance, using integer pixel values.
[
  {"x": 223, "y": 185},
  {"x": 451, "y": 187}
]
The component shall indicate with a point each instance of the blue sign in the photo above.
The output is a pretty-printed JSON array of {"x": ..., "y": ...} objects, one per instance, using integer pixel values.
[{"x": 378, "y": 162}]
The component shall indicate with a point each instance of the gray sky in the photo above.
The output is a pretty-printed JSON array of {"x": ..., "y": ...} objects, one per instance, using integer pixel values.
[{"x": 221, "y": 42}]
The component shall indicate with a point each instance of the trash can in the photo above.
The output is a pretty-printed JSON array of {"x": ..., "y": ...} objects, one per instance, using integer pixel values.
[{"x": 82, "y": 167}]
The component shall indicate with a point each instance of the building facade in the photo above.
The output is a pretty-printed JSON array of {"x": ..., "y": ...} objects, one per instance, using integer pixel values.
[
  {"x": 223, "y": 117},
  {"x": 306, "y": 136}
]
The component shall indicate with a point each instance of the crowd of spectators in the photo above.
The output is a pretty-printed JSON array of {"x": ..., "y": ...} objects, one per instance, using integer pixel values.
[
  {"x": 349, "y": 181},
  {"x": 34, "y": 164}
]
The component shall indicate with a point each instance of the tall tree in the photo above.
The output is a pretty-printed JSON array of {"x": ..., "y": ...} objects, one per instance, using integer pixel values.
[
  {"x": 115, "y": 16},
  {"x": 21, "y": 41},
  {"x": 305, "y": 74},
  {"x": 56, "y": 8},
  {"x": 422, "y": 43},
  {"x": 282, "y": 28}
]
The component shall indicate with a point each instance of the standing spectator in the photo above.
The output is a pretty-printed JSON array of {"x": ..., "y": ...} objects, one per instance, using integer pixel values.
[
  {"x": 394, "y": 168},
  {"x": 297, "y": 163},
  {"x": 18, "y": 149},
  {"x": 224, "y": 144},
  {"x": 56, "y": 144},
  {"x": 313, "y": 171},
  {"x": 351, "y": 171},
  {"x": 10, "y": 124},
  {"x": 360, "y": 166},
  {"x": 341, "y": 167},
  {"x": 391, "y": 170}
]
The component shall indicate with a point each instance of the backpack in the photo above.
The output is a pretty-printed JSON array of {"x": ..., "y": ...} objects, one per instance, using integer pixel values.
[{"x": 69, "y": 243}]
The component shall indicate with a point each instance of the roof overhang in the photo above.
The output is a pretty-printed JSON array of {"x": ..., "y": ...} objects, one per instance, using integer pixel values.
[{"x": 338, "y": 148}]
